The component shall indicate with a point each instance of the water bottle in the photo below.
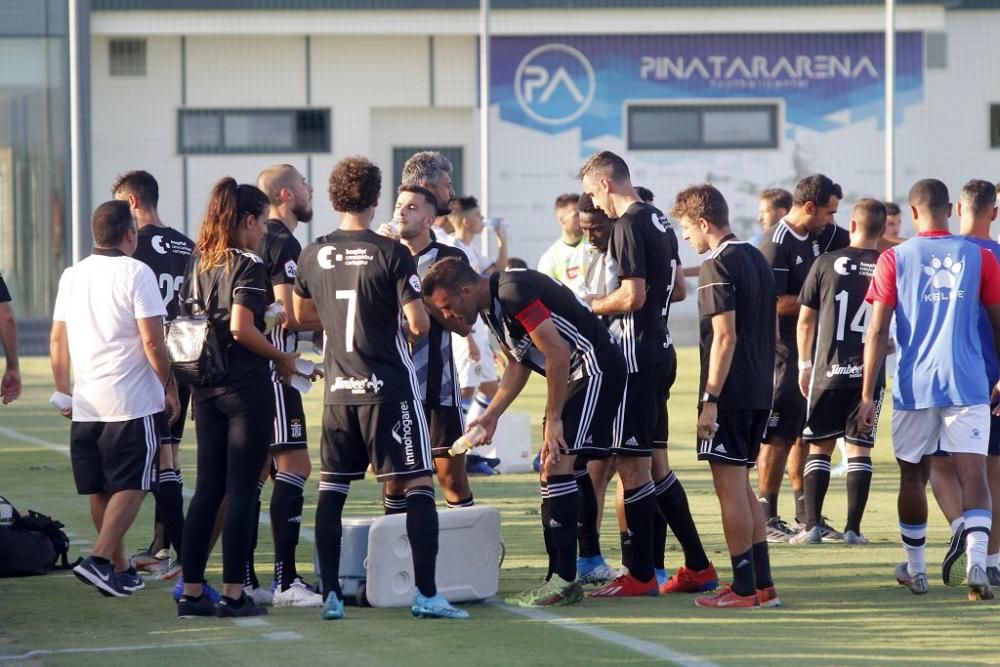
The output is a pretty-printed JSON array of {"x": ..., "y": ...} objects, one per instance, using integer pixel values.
[
  {"x": 271, "y": 315},
  {"x": 471, "y": 438}
]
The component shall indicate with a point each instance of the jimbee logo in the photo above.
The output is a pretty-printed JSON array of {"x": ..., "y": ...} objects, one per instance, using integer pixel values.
[{"x": 554, "y": 84}]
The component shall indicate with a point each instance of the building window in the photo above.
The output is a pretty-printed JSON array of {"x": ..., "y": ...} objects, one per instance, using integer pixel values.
[
  {"x": 400, "y": 154},
  {"x": 253, "y": 131},
  {"x": 995, "y": 126},
  {"x": 687, "y": 126},
  {"x": 127, "y": 57}
]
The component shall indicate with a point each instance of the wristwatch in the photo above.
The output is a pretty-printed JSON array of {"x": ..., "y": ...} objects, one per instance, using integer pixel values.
[{"x": 709, "y": 398}]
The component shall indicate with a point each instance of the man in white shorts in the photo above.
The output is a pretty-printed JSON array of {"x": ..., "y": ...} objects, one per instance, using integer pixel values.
[{"x": 934, "y": 284}]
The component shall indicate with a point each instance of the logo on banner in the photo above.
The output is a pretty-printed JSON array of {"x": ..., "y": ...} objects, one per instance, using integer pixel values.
[{"x": 555, "y": 84}]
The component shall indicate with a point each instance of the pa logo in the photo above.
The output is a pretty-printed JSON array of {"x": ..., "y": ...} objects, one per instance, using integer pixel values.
[{"x": 554, "y": 84}]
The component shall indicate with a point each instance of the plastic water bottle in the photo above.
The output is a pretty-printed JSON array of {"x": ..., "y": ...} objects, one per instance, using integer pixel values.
[
  {"x": 271, "y": 315},
  {"x": 467, "y": 441}
]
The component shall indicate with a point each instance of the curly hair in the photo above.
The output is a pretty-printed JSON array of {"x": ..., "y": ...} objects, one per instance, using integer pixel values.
[
  {"x": 702, "y": 202},
  {"x": 355, "y": 184}
]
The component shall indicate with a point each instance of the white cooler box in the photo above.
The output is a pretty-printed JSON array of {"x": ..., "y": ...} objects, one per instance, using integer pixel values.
[
  {"x": 511, "y": 443},
  {"x": 376, "y": 566}
]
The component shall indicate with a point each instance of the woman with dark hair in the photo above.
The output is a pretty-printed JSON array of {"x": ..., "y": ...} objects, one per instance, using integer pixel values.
[{"x": 234, "y": 417}]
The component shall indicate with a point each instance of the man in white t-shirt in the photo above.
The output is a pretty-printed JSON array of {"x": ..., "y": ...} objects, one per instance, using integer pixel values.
[
  {"x": 108, "y": 329},
  {"x": 567, "y": 259},
  {"x": 473, "y": 355}
]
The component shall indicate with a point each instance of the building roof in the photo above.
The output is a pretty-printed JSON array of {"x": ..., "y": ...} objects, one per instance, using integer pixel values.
[{"x": 292, "y": 5}]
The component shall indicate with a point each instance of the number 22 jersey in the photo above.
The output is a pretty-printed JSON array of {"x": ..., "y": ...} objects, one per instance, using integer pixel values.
[{"x": 166, "y": 251}]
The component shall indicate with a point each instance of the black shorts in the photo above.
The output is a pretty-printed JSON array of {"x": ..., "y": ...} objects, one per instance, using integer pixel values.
[
  {"x": 645, "y": 396},
  {"x": 109, "y": 457},
  {"x": 788, "y": 406},
  {"x": 737, "y": 442},
  {"x": 833, "y": 414},
  {"x": 289, "y": 419},
  {"x": 592, "y": 404},
  {"x": 173, "y": 433},
  {"x": 446, "y": 424},
  {"x": 662, "y": 414},
  {"x": 391, "y": 436}
]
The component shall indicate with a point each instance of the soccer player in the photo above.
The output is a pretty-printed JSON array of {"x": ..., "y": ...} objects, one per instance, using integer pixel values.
[
  {"x": 432, "y": 356},
  {"x": 977, "y": 208},
  {"x": 10, "y": 386},
  {"x": 832, "y": 320},
  {"x": 566, "y": 260},
  {"x": 736, "y": 307},
  {"x": 107, "y": 329},
  {"x": 893, "y": 227},
  {"x": 643, "y": 248},
  {"x": 542, "y": 327},
  {"x": 775, "y": 203},
  {"x": 790, "y": 250},
  {"x": 166, "y": 251},
  {"x": 359, "y": 286},
  {"x": 934, "y": 284},
  {"x": 289, "y": 204}
]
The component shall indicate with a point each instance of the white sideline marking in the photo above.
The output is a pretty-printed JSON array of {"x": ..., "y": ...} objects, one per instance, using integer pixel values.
[
  {"x": 306, "y": 533},
  {"x": 648, "y": 649},
  {"x": 121, "y": 649},
  {"x": 281, "y": 636},
  {"x": 250, "y": 622}
]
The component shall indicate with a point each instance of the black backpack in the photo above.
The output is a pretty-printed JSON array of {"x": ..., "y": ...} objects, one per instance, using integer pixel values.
[{"x": 32, "y": 544}]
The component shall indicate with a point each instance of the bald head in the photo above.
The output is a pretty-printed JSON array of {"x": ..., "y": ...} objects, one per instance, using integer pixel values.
[{"x": 287, "y": 191}]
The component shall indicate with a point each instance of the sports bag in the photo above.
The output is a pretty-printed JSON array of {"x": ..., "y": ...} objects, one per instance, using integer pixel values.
[
  {"x": 32, "y": 544},
  {"x": 196, "y": 356}
]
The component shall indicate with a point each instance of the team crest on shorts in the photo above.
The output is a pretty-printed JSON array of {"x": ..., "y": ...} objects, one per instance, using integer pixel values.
[
  {"x": 772, "y": 421},
  {"x": 295, "y": 426}
]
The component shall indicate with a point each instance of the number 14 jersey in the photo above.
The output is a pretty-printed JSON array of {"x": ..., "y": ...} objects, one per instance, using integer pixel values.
[
  {"x": 359, "y": 282},
  {"x": 836, "y": 287}
]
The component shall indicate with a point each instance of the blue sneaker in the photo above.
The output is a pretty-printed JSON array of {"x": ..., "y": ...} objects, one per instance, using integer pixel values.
[
  {"x": 661, "y": 576},
  {"x": 435, "y": 607},
  {"x": 101, "y": 577},
  {"x": 131, "y": 581},
  {"x": 482, "y": 468},
  {"x": 206, "y": 590},
  {"x": 333, "y": 608},
  {"x": 593, "y": 570}
]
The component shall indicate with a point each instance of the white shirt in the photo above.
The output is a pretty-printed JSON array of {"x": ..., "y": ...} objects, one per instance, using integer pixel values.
[
  {"x": 476, "y": 260},
  {"x": 568, "y": 263},
  {"x": 100, "y": 298}
]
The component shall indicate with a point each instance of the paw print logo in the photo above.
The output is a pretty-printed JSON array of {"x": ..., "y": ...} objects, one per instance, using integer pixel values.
[{"x": 944, "y": 273}]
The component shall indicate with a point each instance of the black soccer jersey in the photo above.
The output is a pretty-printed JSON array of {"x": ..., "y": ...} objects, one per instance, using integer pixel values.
[
  {"x": 736, "y": 277},
  {"x": 432, "y": 355},
  {"x": 643, "y": 245},
  {"x": 280, "y": 251},
  {"x": 240, "y": 280},
  {"x": 359, "y": 282},
  {"x": 836, "y": 288},
  {"x": 790, "y": 256},
  {"x": 521, "y": 299},
  {"x": 833, "y": 237},
  {"x": 166, "y": 251}
]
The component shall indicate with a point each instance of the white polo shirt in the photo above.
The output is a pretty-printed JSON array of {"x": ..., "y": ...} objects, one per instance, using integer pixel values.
[{"x": 100, "y": 298}]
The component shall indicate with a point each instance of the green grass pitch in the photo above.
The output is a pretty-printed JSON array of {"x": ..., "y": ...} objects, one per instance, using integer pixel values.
[{"x": 841, "y": 604}]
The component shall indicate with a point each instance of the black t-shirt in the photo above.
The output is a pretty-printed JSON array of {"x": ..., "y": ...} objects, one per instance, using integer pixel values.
[
  {"x": 280, "y": 251},
  {"x": 4, "y": 293},
  {"x": 359, "y": 282},
  {"x": 736, "y": 277},
  {"x": 240, "y": 280},
  {"x": 643, "y": 245},
  {"x": 836, "y": 288},
  {"x": 166, "y": 251},
  {"x": 432, "y": 356},
  {"x": 790, "y": 256},
  {"x": 833, "y": 237},
  {"x": 521, "y": 299}
]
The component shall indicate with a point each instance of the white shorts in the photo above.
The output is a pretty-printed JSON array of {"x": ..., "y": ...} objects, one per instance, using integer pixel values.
[
  {"x": 471, "y": 374},
  {"x": 961, "y": 429}
]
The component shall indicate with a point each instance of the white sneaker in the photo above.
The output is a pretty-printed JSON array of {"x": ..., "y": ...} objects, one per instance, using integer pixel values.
[
  {"x": 260, "y": 595},
  {"x": 979, "y": 584},
  {"x": 811, "y": 536},
  {"x": 299, "y": 594},
  {"x": 850, "y": 537}
]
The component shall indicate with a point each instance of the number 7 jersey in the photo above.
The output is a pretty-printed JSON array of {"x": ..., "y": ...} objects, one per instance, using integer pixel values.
[
  {"x": 359, "y": 282},
  {"x": 836, "y": 287}
]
